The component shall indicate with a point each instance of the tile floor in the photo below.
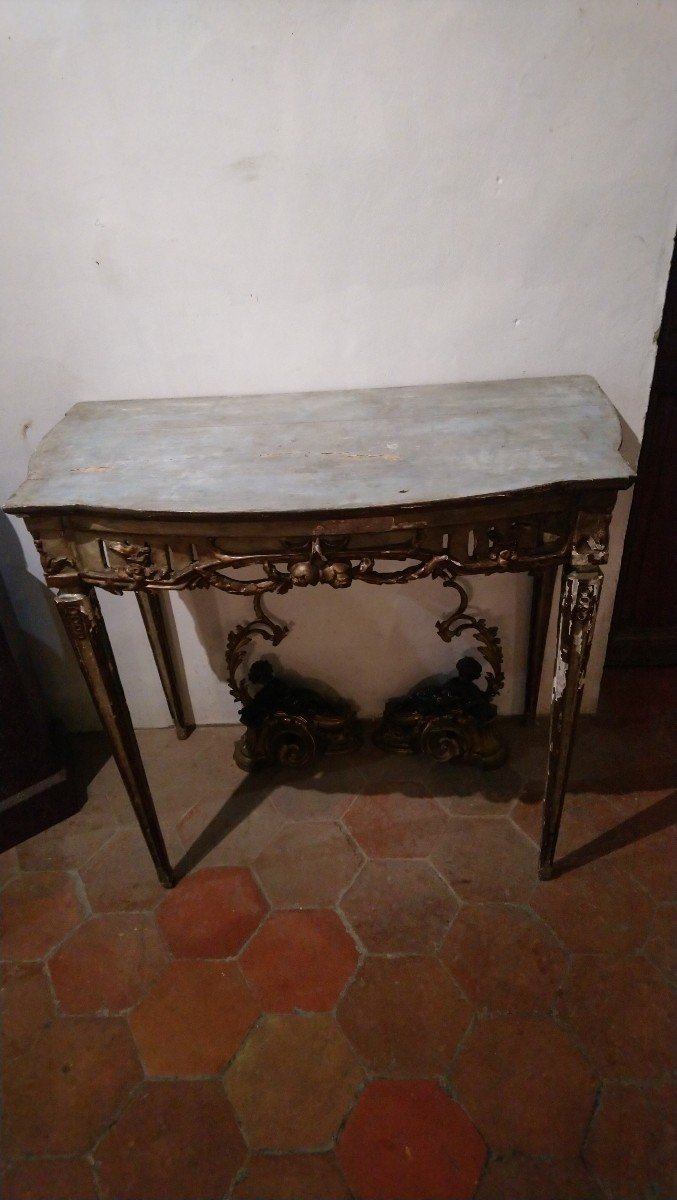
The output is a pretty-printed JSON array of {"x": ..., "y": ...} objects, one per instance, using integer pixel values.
[{"x": 358, "y": 989}]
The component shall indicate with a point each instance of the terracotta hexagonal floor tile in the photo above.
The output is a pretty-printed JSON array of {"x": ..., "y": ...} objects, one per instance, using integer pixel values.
[
  {"x": 292, "y": 1082},
  {"x": 521, "y": 1178},
  {"x": 108, "y": 963},
  {"x": 504, "y": 958},
  {"x": 608, "y": 758},
  {"x": 400, "y": 907},
  {"x": 308, "y": 865},
  {"x": 594, "y": 909},
  {"x": 404, "y": 1016},
  {"x": 652, "y": 860},
  {"x": 174, "y": 1141},
  {"x": 320, "y": 794},
  {"x": 101, "y": 777},
  {"x": 408, "y": 1139},
  {"x": 61, "y": 1095},
  {"x": 623, "y": 1011},
  {"x": 27, "y": 1006},
  {"x": 53, "y": 1178},
  {"x": 230, "y": 834},
  {"x": 181, "y": 773},
  {"x": 584, "y": 818},
  {"x": 292, "y": 1177},
  {"x": 525, "y": 1085},
  {"x": 628, "y": 828},
  {"x": 70, "y": 843},
  {"x": 661, "y": 944},
  {"x": 9, "y": 865},
  {"x": 466, "y": 791},
  {"x": 299, "y": 960},
  {"x": 212, "y": 913},
  {"x": 397, "y": 825},
  {"x": 384, "y": 773},
  {"x": 486, "y": 858},
  {"x": 632, "y": 1146},
  {"x": 194, "y": 1018},
  {"x": 602, "y": 755},
  {"x": 121, "y": 876},
  {"x": 38, "y": 910}
]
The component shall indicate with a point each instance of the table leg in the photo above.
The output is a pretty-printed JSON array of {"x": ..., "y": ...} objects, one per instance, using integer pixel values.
[
  {"x": 155, "y": 621},
  {"x": 541, "y": 605},
  {"x": 578, "y": 608},
  {"x": 85, "y": 626}
]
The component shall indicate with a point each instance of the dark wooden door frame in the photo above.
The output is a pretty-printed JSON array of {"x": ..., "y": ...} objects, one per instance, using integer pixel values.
[{"x": 644, "y": 625}]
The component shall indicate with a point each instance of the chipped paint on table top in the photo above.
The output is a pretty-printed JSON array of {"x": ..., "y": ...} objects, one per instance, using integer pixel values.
[{"x": 325, "y": 451}]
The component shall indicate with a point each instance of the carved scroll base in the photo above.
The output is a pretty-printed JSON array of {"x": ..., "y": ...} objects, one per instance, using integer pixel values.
[
  {"x": 287, "y": 739},
  {"x": 450, "y": 736},
  {"x": 453, "y": 721},
  {"x": 287, "y": 724}
]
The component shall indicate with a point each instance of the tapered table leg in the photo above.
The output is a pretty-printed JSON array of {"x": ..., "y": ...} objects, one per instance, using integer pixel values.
[
  {"x": 155, "y": 621},
  {"x": 578, "y": 608},
  {"x": 541, "y": 605},
  {"x": 84, "y": 624}
]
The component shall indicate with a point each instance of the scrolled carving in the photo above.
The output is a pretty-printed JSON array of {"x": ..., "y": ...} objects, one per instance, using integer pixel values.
[
  {"x": 485, "y": 635},
  {"x": 337, "y": 574},
  {"x": 290, "y": 725},
  {"x": 590, "y": 545},
  {"x": 304, "y": 574},
  {"x": 587, "y": 596},
  {"x": 139, "y": 566},
  {"x": 77, "y": 614},
  {"x": 53, "y": 564},
  {"x": 307, "y": 565},
  {"x": 80, "y": 622},
  {"x": 290, "y": 741},
  {"x": 286, "y": 740},
  {"x": 239, "y": 641},
  {"x": 452, "y": 721},
  {"x": 503, "y": 548},
  {"x": 321, "y": 560},
  {"x": 448, "y": 738}
]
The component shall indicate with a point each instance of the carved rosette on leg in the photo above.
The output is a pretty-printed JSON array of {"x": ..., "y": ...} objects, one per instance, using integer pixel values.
[{"x": 453, "y": 721}]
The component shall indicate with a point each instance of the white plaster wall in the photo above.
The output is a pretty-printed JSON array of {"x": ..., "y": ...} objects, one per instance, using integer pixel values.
[{"x": 204, "y": 196}]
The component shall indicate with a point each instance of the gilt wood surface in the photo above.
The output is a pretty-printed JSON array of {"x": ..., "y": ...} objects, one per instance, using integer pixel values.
[{"x": 325, "y": 451}]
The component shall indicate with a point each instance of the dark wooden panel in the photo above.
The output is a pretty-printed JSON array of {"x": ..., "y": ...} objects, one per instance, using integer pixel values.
[{"x": 644, "y": 628}]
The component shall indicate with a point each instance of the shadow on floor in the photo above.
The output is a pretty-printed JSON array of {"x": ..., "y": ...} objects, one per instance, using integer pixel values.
[
  {"x": 634, "y": 829},
  {"x": 629, "y": 747}
]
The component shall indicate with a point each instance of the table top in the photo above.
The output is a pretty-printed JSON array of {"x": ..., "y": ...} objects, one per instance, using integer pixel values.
[{"x": 325, "y": 451}]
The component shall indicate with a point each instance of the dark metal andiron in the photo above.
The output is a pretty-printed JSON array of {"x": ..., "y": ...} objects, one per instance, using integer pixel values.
[
  {"x": 286, "y": 723},
  {"x": 291, "y": 725},
  {"x": 453, "y": 721}
]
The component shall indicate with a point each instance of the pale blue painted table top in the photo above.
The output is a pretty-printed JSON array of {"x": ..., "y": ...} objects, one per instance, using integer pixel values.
[{"x": 325, "y": 451}]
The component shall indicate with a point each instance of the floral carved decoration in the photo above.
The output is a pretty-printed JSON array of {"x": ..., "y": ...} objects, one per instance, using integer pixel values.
[{"x": 308, "y": 565}]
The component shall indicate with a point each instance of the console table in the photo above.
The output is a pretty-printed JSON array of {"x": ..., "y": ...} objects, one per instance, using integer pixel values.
[{"x": 262, "y": 494}]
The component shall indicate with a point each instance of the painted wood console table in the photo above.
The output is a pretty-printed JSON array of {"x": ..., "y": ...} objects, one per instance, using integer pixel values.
[{"x": 260, "y": 494}]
